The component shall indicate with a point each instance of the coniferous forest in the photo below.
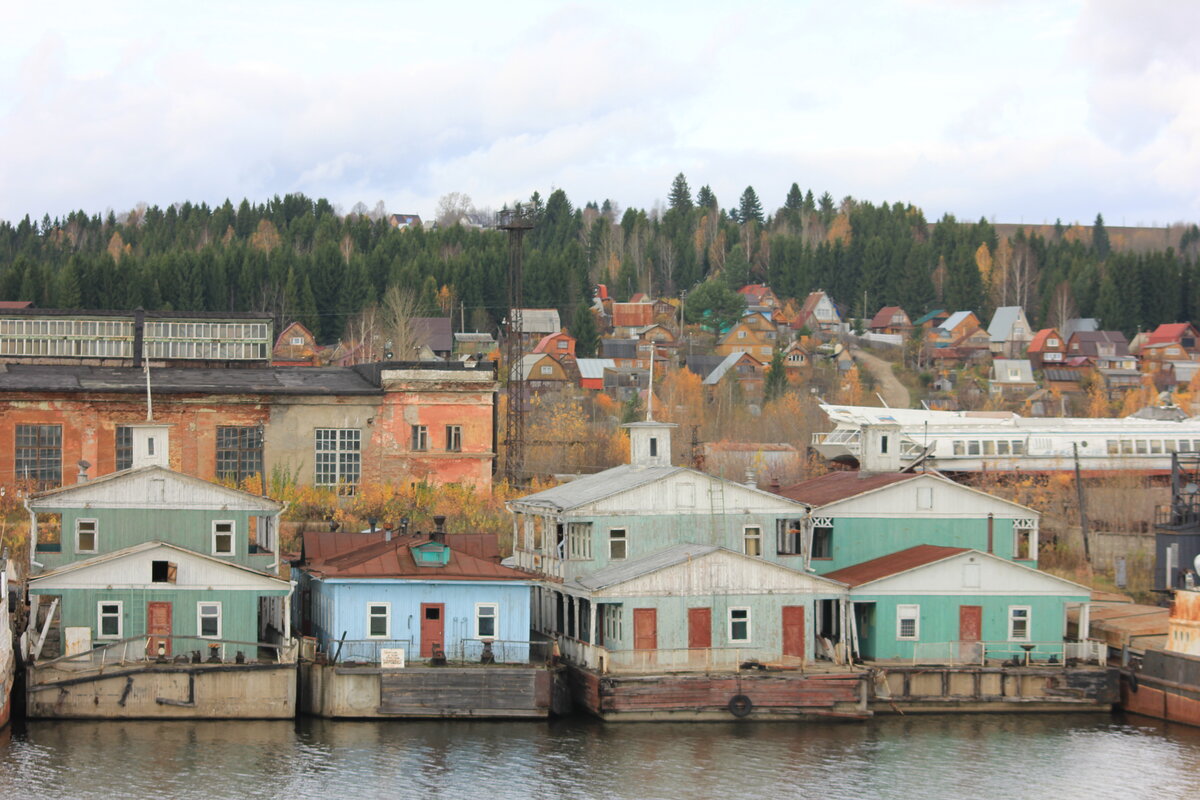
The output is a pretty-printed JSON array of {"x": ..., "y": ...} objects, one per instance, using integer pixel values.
[{"x": 299, "y": 259}]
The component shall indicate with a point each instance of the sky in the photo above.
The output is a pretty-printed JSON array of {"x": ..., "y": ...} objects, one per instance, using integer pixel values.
[{"x": 1015, "y": 111}]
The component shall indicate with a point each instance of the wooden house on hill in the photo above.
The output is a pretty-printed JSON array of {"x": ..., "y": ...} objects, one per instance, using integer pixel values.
[
  {"x": 890, "y": 319},
  {"x": 759, "y": 295},
  {"x": 818, "y": 313},
  {"x": 560, "y": 345},
  {"x": 296, "y": 346},
  {"x": 753, "y": 334},
  {"x": 1047, "y": 348},
  {"x": 1009, "y": 332}
]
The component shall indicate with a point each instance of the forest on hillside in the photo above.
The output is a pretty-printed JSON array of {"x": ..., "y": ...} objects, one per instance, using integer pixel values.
[{"x": 299, "y": 259}]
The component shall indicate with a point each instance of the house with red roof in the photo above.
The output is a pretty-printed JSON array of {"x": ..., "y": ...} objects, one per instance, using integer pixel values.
[
  {"x": 629, "y": 317},
  {"x": 560, "y": 345},
  {"x": 1047, "y": 348},
  {"x": 818, "y": 313},
  {"x": 1183, "y": 334},
  {"x": 890, "y": 319},
  {"x": 759, "y": 294}
]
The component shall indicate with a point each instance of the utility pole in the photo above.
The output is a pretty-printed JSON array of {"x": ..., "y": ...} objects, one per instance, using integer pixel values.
[{"x": 1083, "y": 518}]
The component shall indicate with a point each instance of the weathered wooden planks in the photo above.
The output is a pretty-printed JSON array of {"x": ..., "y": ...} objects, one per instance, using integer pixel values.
[{"x": 465, "y": 692}]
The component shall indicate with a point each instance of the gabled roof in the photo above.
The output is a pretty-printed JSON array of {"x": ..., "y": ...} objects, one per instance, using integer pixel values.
[
  {"x": 1079, "y": 325},
  {"x": 593, "y": 368},
  {"x": 718, "y": 372},
  {"x": 1002, "y": 366},
  {"x": 289, "y": 331},
  {"x": 52, "y": 498},
  {"x": 433, "y": 332},
  {"x": 955, "y": 319},
  {"x": 883, "y": 317},
  {"x": 474, "y": 337},
  {"x": 755, "y": 291},
  {"x": 545, "y": 341},
  {"x": 834, "y": 486},
  {"x": 632, "y": 315},
  {"x": 702, "y": 365},
  {"x": 1089, "y": 342},
  {"x": 1038, "y": 343},
  {"x": 1003, "y": 321},
  {"x": 359, "y": 555},
  {"x": 1169, "y": 332},
  {"x": 540, "y": 321},
  {"x": 929, "y": 316},
  {"x": 892, "y": 564},
  {"x": 125, "y": 552}
]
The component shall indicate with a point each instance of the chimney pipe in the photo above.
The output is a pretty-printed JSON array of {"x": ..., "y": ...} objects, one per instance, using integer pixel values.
[
  {"x": 84, "y": 466},
  {"x": 991, "y": 530}
]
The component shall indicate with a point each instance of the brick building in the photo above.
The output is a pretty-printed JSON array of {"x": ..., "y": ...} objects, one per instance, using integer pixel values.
[{"x": 332, "y": 426}]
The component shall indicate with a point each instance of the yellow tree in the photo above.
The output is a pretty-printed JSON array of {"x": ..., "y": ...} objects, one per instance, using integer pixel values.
[{"x": 265, "y": 237}]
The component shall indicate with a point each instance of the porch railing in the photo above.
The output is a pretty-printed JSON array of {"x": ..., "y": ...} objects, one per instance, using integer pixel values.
[
  {"x": 689, "y": 659},
  {"x": 463, "y": 652},
  {"x": 193, "y": 649},
  {"x": 994, "y": 653}
]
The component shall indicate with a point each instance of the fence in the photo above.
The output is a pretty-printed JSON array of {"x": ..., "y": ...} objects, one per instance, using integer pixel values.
[
  {"x": 981, "y": 653},
  {"x": 694, "y": 659},
  {"x": 464, "y": 651}
]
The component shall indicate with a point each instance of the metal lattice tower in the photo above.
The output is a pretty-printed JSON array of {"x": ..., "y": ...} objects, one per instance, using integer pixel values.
[{"x": 516, "y": 222}]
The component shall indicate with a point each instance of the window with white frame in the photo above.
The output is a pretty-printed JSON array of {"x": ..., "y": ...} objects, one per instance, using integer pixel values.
[
  {"x": 85, "y": 535},
  {"x": 223, "y": 532},
  {"x": 1018, "y": 623},
  {"x": 618, "y": 544},
  {"x": 379, "y": 620},
  {"x": 297, "y": 341},
  {"x": 908, "y": 622},
  {"x": 339, "y": 457},
  {"x": 208, "y": 619},
  {"x": 547, "y": 369},
  {"x": 108, "y": 619},
  {"x": 752, "y": 540},
  {"x": 613, "y": 629},
  {"x": 420, "y": 437},
  {"x": 485, "y": 620},
  {"x": 739, "y": 625},
  {"x": 454, "y": 438},
  {"x": 579, "y": 540}
]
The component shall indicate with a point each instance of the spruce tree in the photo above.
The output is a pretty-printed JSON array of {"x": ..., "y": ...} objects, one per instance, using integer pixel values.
[
  {"x": 749, "y": 207},
  {"x": 1100, "y": 243},
  {"x": 705, "y": 198},
  {"x": 585, "y": 331},
  {"x": 680, "y": 198},
  {"x": 776, "y": 383}
]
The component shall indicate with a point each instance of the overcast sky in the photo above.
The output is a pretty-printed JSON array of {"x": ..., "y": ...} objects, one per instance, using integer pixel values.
[{"x": 1017, "y": 111}]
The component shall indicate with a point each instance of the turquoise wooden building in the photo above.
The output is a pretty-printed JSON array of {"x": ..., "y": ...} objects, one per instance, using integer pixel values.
[
  {"x": 153, "y": 552},
  {"x": 937, "y": 604},
  {"x": 423, "y": 594},
  {"x": 859, "y": 516}
]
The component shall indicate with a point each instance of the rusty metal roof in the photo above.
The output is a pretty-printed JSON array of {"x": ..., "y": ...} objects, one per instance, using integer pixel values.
[
  {"x": 903, "y": 561},
  {"x": 371, "y": 555},
  {"x": 839, "y": 485}
]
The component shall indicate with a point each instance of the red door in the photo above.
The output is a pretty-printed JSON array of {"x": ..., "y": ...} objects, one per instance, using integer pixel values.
[
  {"x": 645, "y": 629},
  {"x": 433, "y": 628},
  {"x": 970, "y": 632},
  {"x": 699, "y": 628},
  {"x": 793, "y": 631},
  {"x": 158, "y": 624}
]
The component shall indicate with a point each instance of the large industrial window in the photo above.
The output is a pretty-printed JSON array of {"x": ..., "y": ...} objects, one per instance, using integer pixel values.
[
  {"x": 739, "y": 625},
  {"x": 239, "y": 452},
  {"x": 208, "y": 620},
  {"x": 39, "y": 454},
  {"x": 617, "y": 544},
  {"x": 454, "y": 438},
  {"x": 108, "y": 623},
  {"x": 379, "y": 620},
  {"x": 339, "y": 458},
  {"x": 1018, "y": 623},
  {"x": 124, "y": 450},
  {"x": 908, "y": 622},
  {"x": 485, "y": 620},
  {"x": 85, "y": 535}
]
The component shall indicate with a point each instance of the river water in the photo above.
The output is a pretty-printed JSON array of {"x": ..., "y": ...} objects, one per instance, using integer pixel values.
[{"x": 923, "y": 758}]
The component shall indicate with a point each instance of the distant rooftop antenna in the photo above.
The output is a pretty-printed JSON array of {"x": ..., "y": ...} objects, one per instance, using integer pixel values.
[
  {"x": 149, "y": 400},
  {"x": 650, "y": 389}
]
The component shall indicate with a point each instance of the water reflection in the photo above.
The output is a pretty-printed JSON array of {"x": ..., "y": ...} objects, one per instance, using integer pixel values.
[{"x": 906, "y": 757}]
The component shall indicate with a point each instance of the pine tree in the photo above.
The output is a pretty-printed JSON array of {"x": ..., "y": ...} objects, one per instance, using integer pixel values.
[
  {"x": 680, "y": 198},
  {"x": 776, "y": 383},
  {"x": 749, "y": 207},
  {"x": 1100, "y": 243},
  {"x": 705, "y": 198},
  {"x": 795, "y": 199},
  {"x": 585, "y": 331}
]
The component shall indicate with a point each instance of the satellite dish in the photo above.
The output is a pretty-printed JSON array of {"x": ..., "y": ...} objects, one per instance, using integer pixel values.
[
  {"x": 1191, "y": 488},
  {"x": 1196, "y": 564}
]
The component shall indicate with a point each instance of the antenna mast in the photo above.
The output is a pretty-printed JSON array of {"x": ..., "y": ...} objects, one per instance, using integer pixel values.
[{"x": 516, "y": 222}]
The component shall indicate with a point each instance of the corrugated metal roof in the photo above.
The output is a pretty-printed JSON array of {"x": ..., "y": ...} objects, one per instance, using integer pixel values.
[
  {"x": 835, "y": 486},
  {"x": 718, "y": 372},
  {"x": 367, "y": 555},
  {"x": 184, "y": 380},
  {"x": 1002, "y": 322},
  {"x": 903, "y": 561},
  {"x": 540, "y": 320},
  {"x": 592, "y": 368},
  {"x": 628, "y": 570},
  {"x": 619, "y": 348},
  {"x": 1001, "y": 368},
  {"x": 591, "y": 488},
  {"x": 954, "y": 320}
]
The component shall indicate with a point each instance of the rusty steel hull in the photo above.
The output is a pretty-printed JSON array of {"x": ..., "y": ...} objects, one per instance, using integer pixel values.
[
  {"x": 1166, "y": 687},
  {"x": 755, "y": 696}
]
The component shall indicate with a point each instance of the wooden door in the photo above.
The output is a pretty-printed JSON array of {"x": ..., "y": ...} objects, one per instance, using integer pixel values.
[
  {"x": 433, "y": 628},
  {"x": 699, "y": 628},
  {"x": 970, "y": 632},
  {"x": 645, "y": 629},
  {"x": 158, "y": 624},
  {"x": 793, "y": 631}
]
